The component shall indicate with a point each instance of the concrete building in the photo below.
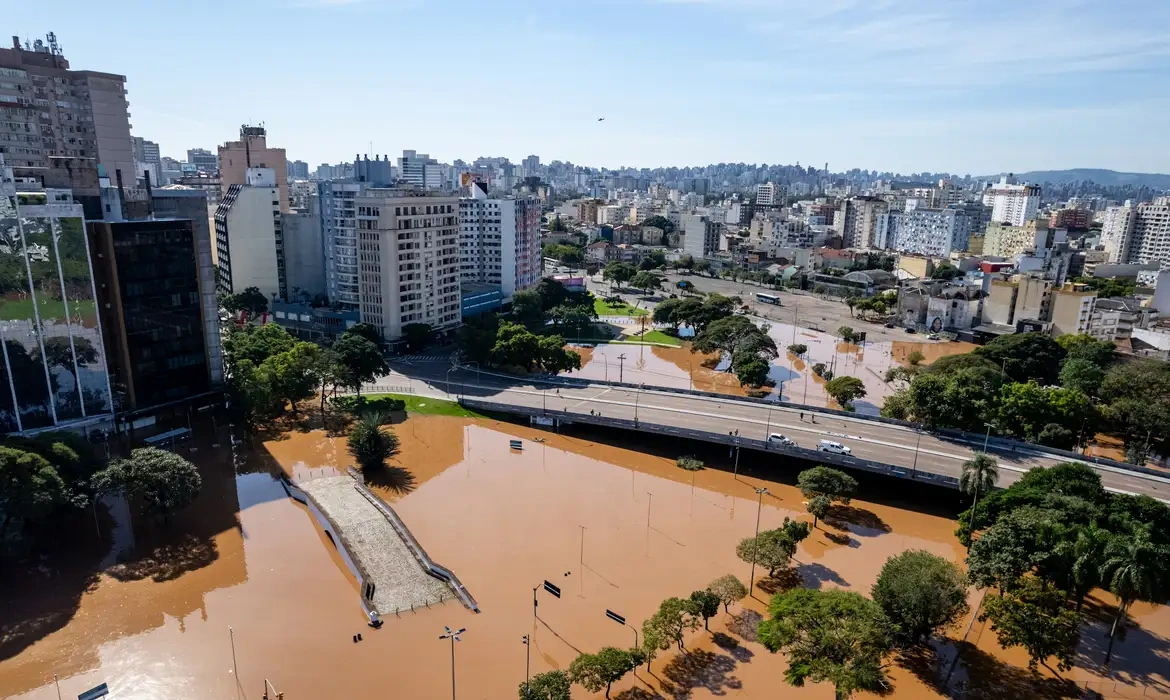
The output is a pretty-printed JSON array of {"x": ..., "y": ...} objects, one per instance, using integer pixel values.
[
  {"x": 999, "y": 309},
  {"x": 1012, "y": 203},
  {"x": 304, "y": 253},
  {"x": 769, "y": 194},
  {"x": 1151, "y": 234},
  {"x": 339, "y": 234},
  {"x": 1117, "y": 318},
  {"x": 1117, "y": 232},
  {"x": 420, "y": 170},
  {"x": 204, "y": 160},
  {"x": 1072, "y": 307},
  {"x": 147, "y": 158},
  {"x": 587, "y": 210},
  {"x": 320, "y": 324},
  {"x": 252, "y": 151},
  {"x": 249, "y": 236},
  {"x": 1007, "y": 241},
  {"x": 50, "y": 110},
  {"x": 378, "y": 172},
  {"x": 408, "y": 251},
  {"x": 1070, "y": 218},
  {"x": 298, "y": 170},
  {"x": 700, "y": 236},
  {"x": 54, "y": 371},
  {"x": 857, "y": 221},
  {"x": 499, "y": 241},
  {"x": 923, "y": 231}
]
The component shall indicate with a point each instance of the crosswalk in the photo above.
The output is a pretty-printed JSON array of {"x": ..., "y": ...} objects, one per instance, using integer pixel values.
[{"x": 423, "y": 358}]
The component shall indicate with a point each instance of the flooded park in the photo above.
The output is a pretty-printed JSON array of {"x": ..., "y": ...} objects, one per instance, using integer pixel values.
[{"x": 243, "y": 589}]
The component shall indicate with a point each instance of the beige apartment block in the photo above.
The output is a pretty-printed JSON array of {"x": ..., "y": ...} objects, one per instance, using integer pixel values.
[{"x": 252, "y": 151}]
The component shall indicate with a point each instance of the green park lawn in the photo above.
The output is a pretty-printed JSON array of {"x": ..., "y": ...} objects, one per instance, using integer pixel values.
[
  {"x": 657, "y": 336},
  {"x": 604, "y": 309},
  {"x": 427, "y": 406}
]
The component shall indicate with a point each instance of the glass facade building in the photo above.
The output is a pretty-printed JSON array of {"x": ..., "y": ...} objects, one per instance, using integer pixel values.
[{"x": 53, "y": 369}]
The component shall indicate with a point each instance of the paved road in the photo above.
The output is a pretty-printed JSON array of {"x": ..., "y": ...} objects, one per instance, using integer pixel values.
[{"x": 879, "y": 442}]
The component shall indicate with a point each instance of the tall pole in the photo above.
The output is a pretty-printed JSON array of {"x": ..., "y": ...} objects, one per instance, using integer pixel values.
[
  {"x": 914, "y": 469},
  {"x": 736, "y": 473},
  {"x": 452, "y": 667},
  {"x": 987, "y": 437},
  {"x": 637, "y": 395},
  {"x": 649, "y": 501},
  {"x": 756, "y": 541},
  {"x": 527, "y": 666},
  {"x": 58, "y": 684},
  {"x": 235, "y": 670},
  {"x": 621, "y": 368},
  {"x": 768, "y": 430}
]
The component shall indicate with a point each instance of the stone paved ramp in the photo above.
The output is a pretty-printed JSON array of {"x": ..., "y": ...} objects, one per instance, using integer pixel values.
[{"x": 400, "y": 581}]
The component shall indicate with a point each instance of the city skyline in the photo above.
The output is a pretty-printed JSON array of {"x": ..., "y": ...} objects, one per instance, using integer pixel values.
[{"x": 963, "y": 87}]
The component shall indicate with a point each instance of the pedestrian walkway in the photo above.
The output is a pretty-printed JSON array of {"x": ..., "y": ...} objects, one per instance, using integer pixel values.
[{"x": 423, "y": 358}]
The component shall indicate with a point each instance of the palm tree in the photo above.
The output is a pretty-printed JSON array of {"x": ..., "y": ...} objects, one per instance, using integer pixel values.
[
  {"x": 1088, "y": 554},
  {"x": 851, "y": 301},
  {"x": 979, "y": 476},
  {"x": 1131, "y": 569}
]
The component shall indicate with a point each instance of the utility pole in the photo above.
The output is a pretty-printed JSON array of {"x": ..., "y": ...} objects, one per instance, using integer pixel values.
[
  {"x": 756, "y": 541},
  {"x": 621, "y": 368}
]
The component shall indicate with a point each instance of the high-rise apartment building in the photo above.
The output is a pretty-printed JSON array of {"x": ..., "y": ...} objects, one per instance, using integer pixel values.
[
  {"x": 52, "y": 361},
  {"x": 857, "y": 221},
  {"x": 769, "y": 194},
  {"x": 1150, "y": 242},
  {"x": 922, "y": 231},
  {"x": 499, "y": 241},
  {"x": 408, "y": 250},
  {"x": 1117, "y": 232},
  {"x": 339, "y": 234},
  {"x": 420, "y": 170},
  {"x": 50, "y": 110},
  {"x": 1007, "y": 241},
  {"x": 249, "y": 236},
  {"x": 1012, "y": 203},
  {"x": 298, "y": 170},
  {"x": 252, "y": 151},
  {"x": 147, "y": 158},
  {"x": 304, "y": 252},
  {"x": 531, "y": 165},
  {"x": 204, "y": 160}
]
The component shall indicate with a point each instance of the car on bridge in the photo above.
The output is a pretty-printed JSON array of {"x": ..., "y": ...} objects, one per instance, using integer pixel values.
[
  {"x": 834, "y": 447},
  {"x": 778, "y": 439}
]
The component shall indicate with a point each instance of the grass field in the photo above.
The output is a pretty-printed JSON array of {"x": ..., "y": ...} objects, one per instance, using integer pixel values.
[
  {"x": 657, "y": 336},
  {"x": 427, "y": 406},
  {"x": 604, "y": 309}
]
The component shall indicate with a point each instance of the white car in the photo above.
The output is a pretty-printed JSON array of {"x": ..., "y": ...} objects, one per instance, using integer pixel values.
[
  {"x": 834, "y": 447},
  {"x": 778, "y": 439}
]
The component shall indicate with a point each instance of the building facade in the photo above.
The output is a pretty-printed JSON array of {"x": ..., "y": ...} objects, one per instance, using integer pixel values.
[
  {"x": 924, "y": 231},
  {"x": 408, "y": 257},
  {"x": 53, "y": 363},
  {"x": 252, "y": 151},
  {"x": 1151, "y": 234},
  {"x": 249, "y": 237},
  {"x": 1117, "y": 232},
  {"x": 204, "y": 160},
  {"x": 340, "y": 240},
  {"x": 499, "y": 241},
  {"x": 1007, "y": 241},
  {"x": 51, "y": 110},
  {"x": 304, "y": 253},
  {"x": 857, "y": 221},
  {"x": 420, "y": 170},
  {"x": 1012, "y": 203},
  {"x": 700, "y": 235}
]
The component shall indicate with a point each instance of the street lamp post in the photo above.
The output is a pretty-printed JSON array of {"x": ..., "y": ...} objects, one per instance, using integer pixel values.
[
  {"x": 987, "y": 437},
  {"x": 914, "y": 469},
  {"x": 756, "y": 541},
  {"x": 527, "y": 665},
  {"x": 621, "y": 368},
  {"x": 449, "y": 379},
  {"x": 637, "y": 395},
  {"x": 454, "y": 637}
]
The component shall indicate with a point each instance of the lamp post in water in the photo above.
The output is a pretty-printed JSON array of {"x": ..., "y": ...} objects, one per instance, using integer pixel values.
[
  {"x": 454, "y": 637},
  {"x": 756, "y": 541}
]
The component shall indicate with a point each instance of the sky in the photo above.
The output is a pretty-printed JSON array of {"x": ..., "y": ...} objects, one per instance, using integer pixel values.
[{"x": 963, "y": 86}]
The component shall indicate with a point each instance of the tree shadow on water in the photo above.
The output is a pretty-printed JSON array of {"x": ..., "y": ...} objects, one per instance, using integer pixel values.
[
  {"x": 167, "y": 560},
  {"x": 864, "y": 522},
  {"x": 700, "y": 669},
  {"x": 392, "y": 478},
  {"x": 989, "y": 677},
  {"x": 732, "y": 646},
  {"x": 783, "y": 580},
  {"x": 1141, "y": 657},
  {"x": 817, "y": 575},
  {"x": 744, "y": 625}
]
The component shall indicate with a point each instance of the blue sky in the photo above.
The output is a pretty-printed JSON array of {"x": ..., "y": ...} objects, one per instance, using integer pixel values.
[{"x": 969, "y": 86}]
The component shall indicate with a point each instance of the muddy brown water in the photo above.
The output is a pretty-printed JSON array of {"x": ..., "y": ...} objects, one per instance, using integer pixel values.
[{"x": 614, "y": 527}]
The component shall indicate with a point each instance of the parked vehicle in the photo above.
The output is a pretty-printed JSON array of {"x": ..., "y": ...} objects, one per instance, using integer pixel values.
[
  {"x": 834, "y": 447},
  {"x": 778, "y": 439},
  {"x": 889, "y": 325}
]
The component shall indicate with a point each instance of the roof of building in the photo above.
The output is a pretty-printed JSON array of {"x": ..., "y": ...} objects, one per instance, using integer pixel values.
[{"x": 1130, "y": 304}]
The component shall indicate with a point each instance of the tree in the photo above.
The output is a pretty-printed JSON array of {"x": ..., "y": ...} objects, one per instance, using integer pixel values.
[
  {"x": 645, "y": 281},
  {"x": 1135, "y": 568},
  {"x": 704, "y": 604},
  {"x": 1035, "y": 617},
  {"x": 684, "y": 262},
  {"x": 550, "y": 685},
  {"x": 293, "y": 375},
  {"x": 659, "y": 221},
  {"x": 915, "y": 358},
  {"x": 946, "y": 272},
  {"x": 1009, "y": 549},
  {"x": 1082, "y": 375},
  {"x": 844, "y": 390},
  {"x": 773, "y": 548},
  {"x": 851, "y": 301},
  {"x": 30, "y": 488},
  {"x": 979, "y": 475},
  {"x": 256, "y": 343},
  {"x": 834, "y": 484},
  {"x": 818, "y": 506},
  {"x": 1025, "y": 356},
  {"x": 360, "y": 359},
  {"x": 1058, "y": 436},
  {"x": 921, "y": 594},
  {"x": 798, "y": 349},
  {"x": 528, "y": 308},
  {"x": 673, "y": 619},
  {"x": 163, "y": 480},
  {"x": 1136, "y": 399},
  {"x": 1080, "y": 346},
  {"x": 600, "y": 670},
  {"x": 251, "y": 300},
  {"x": 728, "y": 589},
  {"x": 1088, "y": 560},
  {"x": 830, "y": 636},
  {"x": 620, "y": 272},
  {"x": 846, "y": 333},
  {"x": 653, "y": 641},
  {"x": 676, "y": 311},
  {"x": 753, "y": 372},
  {"x": 364, "y": 330},
  {"x": 702, "y": 266},
  {"x": 417, "y": 336},
  {"x": 369, "y": 444}
]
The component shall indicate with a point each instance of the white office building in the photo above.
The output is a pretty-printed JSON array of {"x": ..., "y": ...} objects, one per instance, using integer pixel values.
[
  {"x": 249, "y": 236},
  {"x": 499, "y": 241},
  {"x": 924, "y": 231},
  {"x": 408, "y": 259},
  {"x": 1150, "y": 242},
  {"x": 767, "y": 194},
  {"x": 1117, "y": 231},
  {"x": 1012, "y": 203},
  {"x": 420, "y": 170}
]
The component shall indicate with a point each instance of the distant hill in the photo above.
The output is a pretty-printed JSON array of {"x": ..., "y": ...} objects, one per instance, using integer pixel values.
[{"x": 1108, "y": 178}]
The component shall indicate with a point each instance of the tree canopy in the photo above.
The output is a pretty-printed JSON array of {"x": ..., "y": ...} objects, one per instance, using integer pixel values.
[
  {"x": 162, "y": 480},
  {"x": 601, "y": 670},
  {"x": 834, "y": 484},
  {"x": 1025, "y": 356},
  {"x": 921, "y": 594},
  {"x": 845, "y": 390}
]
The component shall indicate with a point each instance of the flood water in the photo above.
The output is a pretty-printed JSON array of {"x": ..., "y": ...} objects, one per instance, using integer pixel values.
[
  {"x": 795, "y": 381},
  {"x": 616, "y": 528}
]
